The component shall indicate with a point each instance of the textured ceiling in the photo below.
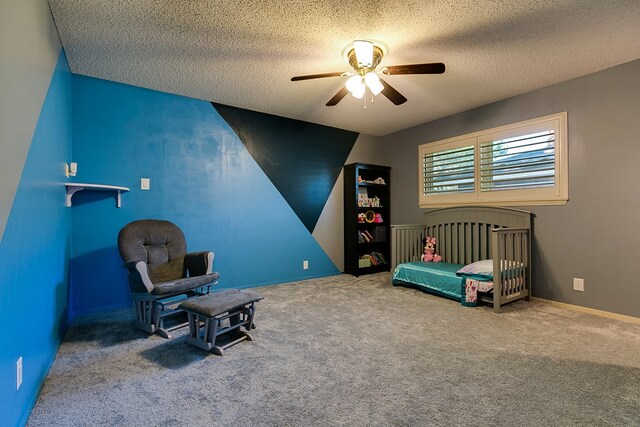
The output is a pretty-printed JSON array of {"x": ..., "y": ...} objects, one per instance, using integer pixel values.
[{"x": 243, "y": 53}]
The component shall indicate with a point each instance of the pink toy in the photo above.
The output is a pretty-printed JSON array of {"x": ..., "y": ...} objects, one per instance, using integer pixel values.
[
  {"x": 429, "y": 254},
  {"x": 378, "y": 218}
]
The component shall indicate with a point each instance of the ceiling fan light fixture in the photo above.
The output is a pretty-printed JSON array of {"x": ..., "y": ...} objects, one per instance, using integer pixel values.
[
  {"x": 372, "y": 81},
  {"x": 364, "y": 53},
  {"x": 354, "y": 83},
  {"x": 364, "y": 56},
  {"x": 359, "y": 92}
]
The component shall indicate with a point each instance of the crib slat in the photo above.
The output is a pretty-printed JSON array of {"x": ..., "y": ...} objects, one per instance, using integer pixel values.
[
  {"x": 475, "y": 232},
  {"x": 461, "y": 244},
  {"x": 440, "y": 233},
  {"x": 468, "y": 246},
  {"x": 497, "y": 282},
  {"x": 404, "y": 245},
  {"x": 414, "y": 243},
  {"x": 519, "y": 260},
  {"x": 512, "y": 264},
  {"x": 454, "y": 243},
  {"x": 450, "y": 248},
  {"x": 399, "y": 240}
]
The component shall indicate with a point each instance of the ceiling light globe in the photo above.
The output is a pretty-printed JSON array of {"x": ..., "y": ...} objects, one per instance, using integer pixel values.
[
  {"x": 359, "y": 92},
  {"x": 364, "y": 52},
  {"x": 373, "y": 82},
  {"x": 377, "y": 88},
  {"x": 354, "y": 83},
  {"x": 371, "y": 78}
]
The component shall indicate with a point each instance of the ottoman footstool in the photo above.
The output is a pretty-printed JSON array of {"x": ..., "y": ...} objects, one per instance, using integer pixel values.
[{"x": 224, "y": 312}]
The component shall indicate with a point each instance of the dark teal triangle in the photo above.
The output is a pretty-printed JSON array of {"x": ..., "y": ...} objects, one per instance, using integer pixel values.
[{"x": 302, "y": 159}]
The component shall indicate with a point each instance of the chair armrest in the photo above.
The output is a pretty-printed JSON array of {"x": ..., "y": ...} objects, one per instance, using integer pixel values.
[
  {"x": 198, "y": 263},
  {"x": 139, "y": 280}
]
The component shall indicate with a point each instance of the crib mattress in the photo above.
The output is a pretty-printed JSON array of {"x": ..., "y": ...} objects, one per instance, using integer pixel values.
[{"x": 437, "y": 277}]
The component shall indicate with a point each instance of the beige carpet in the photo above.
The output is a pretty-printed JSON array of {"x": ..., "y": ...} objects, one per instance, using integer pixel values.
[{"x": 358, "y": 352}]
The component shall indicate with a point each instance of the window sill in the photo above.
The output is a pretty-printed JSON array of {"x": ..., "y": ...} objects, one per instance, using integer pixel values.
[{"x": 497, "y": 203}]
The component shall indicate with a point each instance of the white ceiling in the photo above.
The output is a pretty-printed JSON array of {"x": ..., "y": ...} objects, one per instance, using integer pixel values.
[{"x": 243, "y": 53}]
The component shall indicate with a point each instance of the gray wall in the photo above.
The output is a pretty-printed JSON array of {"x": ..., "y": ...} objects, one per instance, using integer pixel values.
[
  {"x": 329, "y": 231},
  {"x": 595, "y": 235},
  {"x": 29, "y": 51}
]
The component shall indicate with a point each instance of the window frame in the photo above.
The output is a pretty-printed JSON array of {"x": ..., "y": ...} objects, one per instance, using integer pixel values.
[{"x": 557, "y": 194}]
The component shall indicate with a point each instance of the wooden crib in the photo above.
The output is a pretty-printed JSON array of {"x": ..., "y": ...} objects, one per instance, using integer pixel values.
[{"x": 468, "y": 234}]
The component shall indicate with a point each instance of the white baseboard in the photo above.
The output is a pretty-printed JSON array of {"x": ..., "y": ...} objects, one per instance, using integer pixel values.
[{"x": 601, "y": 313}]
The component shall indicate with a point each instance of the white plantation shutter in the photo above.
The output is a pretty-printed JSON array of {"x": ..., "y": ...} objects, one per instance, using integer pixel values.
[
  {"x": 520, "y": 164},
  {"x": 449, "y": 171},
  {"x": 526, "y": 161}
]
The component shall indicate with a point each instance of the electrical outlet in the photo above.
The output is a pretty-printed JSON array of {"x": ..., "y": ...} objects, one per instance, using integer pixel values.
[
  {"x": 578, "y": 284},
  {"x": 305, "y": 265},
  {"x": 145, "y": 183},
  {"x": 19, "y": 373}
]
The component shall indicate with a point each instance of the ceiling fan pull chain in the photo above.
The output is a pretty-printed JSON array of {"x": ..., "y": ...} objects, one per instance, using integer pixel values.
[{"x": 365, "y": 99}]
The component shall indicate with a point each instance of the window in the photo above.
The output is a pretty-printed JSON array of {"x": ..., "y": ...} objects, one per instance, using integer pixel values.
[{"x": 523, "y": 163}]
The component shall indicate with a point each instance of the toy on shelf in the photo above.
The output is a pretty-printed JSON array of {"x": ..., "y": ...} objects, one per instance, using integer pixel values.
[
  {"x": 369, "y": 216},
  {"x": 379, "y": 180},
  {"x": 362, "y": 217},
  {"x": 365, "y": 236},
  {"x": 378, "y": 219},
  {"x": 430, "y": 254},
  {"x": 368, "y": 202}
]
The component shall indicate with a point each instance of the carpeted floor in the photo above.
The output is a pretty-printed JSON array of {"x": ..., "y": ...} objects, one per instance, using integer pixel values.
[{"x": 355, "y": 352}]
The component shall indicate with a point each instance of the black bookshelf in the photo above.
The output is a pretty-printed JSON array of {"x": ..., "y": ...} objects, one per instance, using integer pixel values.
[{"x": 367, "y": 243}]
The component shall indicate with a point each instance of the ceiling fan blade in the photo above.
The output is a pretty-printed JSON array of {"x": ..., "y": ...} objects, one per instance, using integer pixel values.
[
  {"x": 337, "y": 97},
  {"x": 393, "y": 95},
  {"x": 432, "y": 68},
  {"x": 318, "y": 76}
]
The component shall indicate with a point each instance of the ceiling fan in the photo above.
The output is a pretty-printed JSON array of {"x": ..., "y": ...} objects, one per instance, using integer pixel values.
[{"x": 364, "y": 56}]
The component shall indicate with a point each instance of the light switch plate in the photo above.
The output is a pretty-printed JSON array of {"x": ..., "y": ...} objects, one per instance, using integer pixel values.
[{"x": 145, "y": 183}]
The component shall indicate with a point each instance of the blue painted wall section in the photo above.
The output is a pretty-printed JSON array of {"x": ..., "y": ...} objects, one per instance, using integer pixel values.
[
  {"x": 202, "y": 178},
  {"x": 303, "y": 160},
  {"x": 34, "y": 256}
]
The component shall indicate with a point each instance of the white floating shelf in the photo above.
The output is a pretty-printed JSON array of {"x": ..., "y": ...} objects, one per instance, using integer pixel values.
[{"x": 74, "y": 187}]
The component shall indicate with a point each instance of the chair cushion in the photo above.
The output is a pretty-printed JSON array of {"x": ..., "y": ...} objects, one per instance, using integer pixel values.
[
  {"x": 217, "y": 303},
  {"x": 158, "y": 243},
  {"x": 182, "y": 285}
]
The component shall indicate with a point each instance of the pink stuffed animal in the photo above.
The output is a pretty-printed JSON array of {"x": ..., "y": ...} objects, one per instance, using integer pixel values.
[{"x": 430, "y": 254}]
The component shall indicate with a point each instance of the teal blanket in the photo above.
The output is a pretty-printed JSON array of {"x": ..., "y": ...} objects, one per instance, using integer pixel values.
[{"x": 436, "y": 277}]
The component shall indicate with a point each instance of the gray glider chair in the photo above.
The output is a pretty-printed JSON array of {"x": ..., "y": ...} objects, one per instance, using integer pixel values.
[{"x": 162, "y": 274}]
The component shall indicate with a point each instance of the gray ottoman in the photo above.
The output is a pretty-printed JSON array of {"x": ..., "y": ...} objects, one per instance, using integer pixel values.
[{"x": 223, "y": 312}]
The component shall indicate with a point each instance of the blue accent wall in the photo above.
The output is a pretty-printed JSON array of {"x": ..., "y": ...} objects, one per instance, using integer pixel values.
[
  {"x": 202, "y": 178},
  {"x": 34, "y": 256}
]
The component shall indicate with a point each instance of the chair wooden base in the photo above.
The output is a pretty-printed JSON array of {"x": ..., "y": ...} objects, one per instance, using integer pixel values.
[{"x": 151, "y": 312}]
